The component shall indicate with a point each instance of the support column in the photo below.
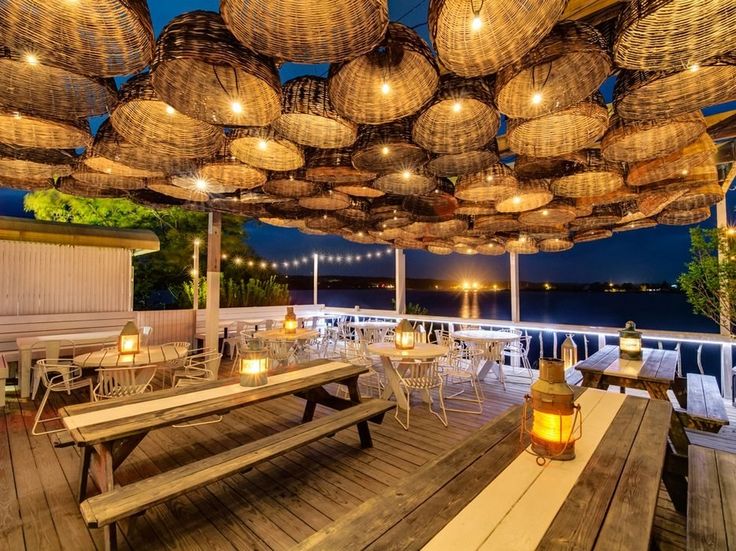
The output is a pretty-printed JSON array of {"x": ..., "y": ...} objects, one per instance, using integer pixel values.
[
  {"x": 400, "y": 281},
  {"x": 315, "y": 277},
  {"x": 214, "y": 234},
  {"x": 726, "y": 352},
  {"x": 514, "y": 279},
  {"x": 195, "y": 275}
]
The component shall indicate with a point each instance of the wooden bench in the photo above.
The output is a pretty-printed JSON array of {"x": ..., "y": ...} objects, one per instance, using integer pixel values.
[
  {"x": 105, "y": 509},
  {"x": 711, "y": 500},
  {"x": 704, "y": 405}
]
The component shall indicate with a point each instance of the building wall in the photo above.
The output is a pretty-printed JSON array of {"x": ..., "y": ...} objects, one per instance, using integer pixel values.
[{"x": 41, "y": 278}]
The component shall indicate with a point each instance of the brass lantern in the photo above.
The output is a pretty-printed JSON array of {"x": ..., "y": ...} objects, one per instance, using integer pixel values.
[
  {"x": 129, "y": 341},
  {"x": 629, "y": 342},
  {"x": 569, "y": 352},
  {"x": 253, "y": 367},
  {"x": 556, "y": 420},
  {"x": 404, "y": 335},
  {"x": 290, "y": 322}
]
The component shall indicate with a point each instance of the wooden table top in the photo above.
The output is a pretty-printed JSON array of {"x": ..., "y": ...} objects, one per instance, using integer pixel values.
[
  {"x": 484, "y": 335},
  {"x": 77, "y": 338},
  {"x": 421, "y": 350},
  {"x": 155, "y": 354},
  {"x": 487, "y": 493},
  {"x": 656, "y": 365},
  {"x": 96, "y": 422},
  {"x": 279, "y": 334}
]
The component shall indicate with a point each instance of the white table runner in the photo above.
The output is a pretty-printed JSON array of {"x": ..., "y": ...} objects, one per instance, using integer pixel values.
[{"x": 628, "y": 368}]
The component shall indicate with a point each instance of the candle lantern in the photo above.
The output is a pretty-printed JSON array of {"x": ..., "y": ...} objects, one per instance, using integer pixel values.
[
  {"x": 556, "y": 420},
  {"x": 290, "y": 322},
  {"x": 404, "y": 335},
  {"x": 629, "y": 342},
  {"x": 420, "y": 334},
  {"x": 569, "y": 352},
  {"x": 129, "y": 341},
  {"x": 253, "y": 367}
]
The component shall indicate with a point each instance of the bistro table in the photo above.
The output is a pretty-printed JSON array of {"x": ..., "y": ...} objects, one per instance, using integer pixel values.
[
  {"x": 372, "y": 331},
  {"x": 110, "y": 357},
  {"x": 491, "y": 343},
  {"x": 388, "y": 352},
  {"x": 301, "y": 334},
  {"x": 488, "y": 493}
]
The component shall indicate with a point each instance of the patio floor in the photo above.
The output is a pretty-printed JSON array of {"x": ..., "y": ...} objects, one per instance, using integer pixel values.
[{"x": 274, "y": 506}]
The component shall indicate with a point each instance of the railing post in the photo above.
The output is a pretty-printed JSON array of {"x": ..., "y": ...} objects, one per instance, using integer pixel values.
[
  {"x": 726, "y": 373},
  {"x": 514, "y": 278},
  {"x": 725, "y": 307},
  {"x": 315, "y": 278},
  {"x": 214, "y": 232},
  {"x": 400, "y": 281}
]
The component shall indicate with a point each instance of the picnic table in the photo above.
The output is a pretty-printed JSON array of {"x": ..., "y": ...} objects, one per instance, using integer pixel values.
[{"x": 488, "y": 493}]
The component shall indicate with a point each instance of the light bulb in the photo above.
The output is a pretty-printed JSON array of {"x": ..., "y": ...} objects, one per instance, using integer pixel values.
[
  {"x": 694, "y": 68},
  {"x": 457, "y": 107},
  {"x": 684, "y": 172},
  {"x": 385, "y": 150},
  {"x": 406, "y": 174},
  {"x": 516, "y": 200},
  {"x": 385, "y": 88},
  {"x": 262, "y": 145},
  {"x": 200, "y": 184},
  {"x": 31, "y": 59},
  {"x": 489, "y": 178},
  {"x": 537, "y": 98},
  {"x": 476, "y": 23},
  {"x": 545, "y": 212},
  {"x": 236, "y": 107},
  {"x": 170, "y": 110}
]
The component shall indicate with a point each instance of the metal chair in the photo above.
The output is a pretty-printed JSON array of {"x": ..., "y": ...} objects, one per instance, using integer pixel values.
[
  {"x": 423, "y": 376},
  {"x": 203, "y": 365},
  {"x": 146, "y": 332},
  {"x": 517, "y": 353},
  {"x": 117, "y": 382},
  {"x": 68, "y": 377},
  {"x": 173, "y": 363},
  {"x": 462, "y": 368},
  {"x": 355, "y": 354},
  {"x": 280, "y": 351}
]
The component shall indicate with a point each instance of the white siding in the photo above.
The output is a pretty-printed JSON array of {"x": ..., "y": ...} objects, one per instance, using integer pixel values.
[{"x": 41, "y": 278}]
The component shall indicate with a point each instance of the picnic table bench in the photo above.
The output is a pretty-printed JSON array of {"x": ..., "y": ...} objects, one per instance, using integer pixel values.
[{"x": 704, "y": 407}]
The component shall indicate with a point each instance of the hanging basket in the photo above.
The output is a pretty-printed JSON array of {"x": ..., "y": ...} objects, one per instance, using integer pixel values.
[
  {"x": 475, "y": 38},
  {"x": 107, "y": 181},
  {"x": 549, "y": 167},
  {"x": 359, "y": 237},
  {"x": 529, "y": 195},
  {"x": 335, "y": 166},
  {"x": 143, "y": 119},
  {"x": 291, "y": 184},
  {"x": 407, "y": 182},
  {"x": 70, "y": 186},
  {"x": 588, "y": 203},
  {"x": 439, "y": 229},
  {"x": 331, "y": 200},
  {"x": 522, "y": 245},
  {"x": 464, "y": 248},
  {"x": 566, "y": 67},
  {"x": 460, "y": 118},
  {"x": 672, "y": 217},
  {"x": 699, "y": 197},
  {"x": 460, "y": 164},
  {"x": 561, "y": 132},
  {"x": 435, "y": 207},
  {"x": 555, "y": 245},
  {"x": 469, "y": 208},
  {"x": 229, "y": 173},
  {"x": 23, "y": 163},
  {"x": 655, "y": 35},
  {"x": 489, "y": 225},
  {"x": 325, "y": 223},
  {"x": 553, "y": 214},
  {"x": 488, "y": 185},
  {"x": 178, "y": 192},
  {"x": 597, "y": 220},
  {"x": 202, "y": 71},
  {"x": 308, "y": 118},
  {"x": 392, "y": 81},
  {"x": 632, "y": 141},
  {"x": 389, "y": 218},
  {"x": 307, "y": 31},
  {"x": 666, "y": 94},
  {"x": 591, "y": 235},
  {"x": 359, "y": 190},
  {"x": 102, "y": 38},
  {"x": 282, "y": 222},
  {"x": 594, "y": 177},
  {"x": 264, "y": 148},
  {"x": 441, "y": 248},
  {"x": 636, "y": 225},
  {"x": 28, "y": 130},
  {"x": 675, "y": 165},
  {"x": 654, "y": 199},
  {"x": 492, "y": 247},
  {"x": 387, "y": 147},
  {"x": 195, "y": 182},
  {"x": 356, "y": 214},
  {"x": 24, "y": 185}
]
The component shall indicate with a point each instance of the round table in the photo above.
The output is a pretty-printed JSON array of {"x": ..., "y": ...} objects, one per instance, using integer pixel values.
[
  {"x": 301, "y": 334},
  {"x": 110, "y": 357},
  {"x": 492, "y": 343},
  {"x": 372, "y": 331},
  {"x": 388, "y": 351}
]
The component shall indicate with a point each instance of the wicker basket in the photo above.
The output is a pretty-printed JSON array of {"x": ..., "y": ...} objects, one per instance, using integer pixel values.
[
  {"x": 25, "y": 185},
  {"x": 70, "y": 186},
  {"x": 488, "y": 185},
  {"x": 460, "y": 118},
  {"x": 488, "y": 225},
  {"x": 632, "y": 141},
  {"x": 439, "y": 248},
  {"x": 549, "y": 167},
  {"x": 393, "y": 81},
  {"x": 406, "y": 182},
  {"x": 435, "y": 207},
  {"x": 22, "y": 163},
  {"x": 657, "y": 35},
  {"x": 264, "y": 148},
  {"x": 636, "y": 225},
  {"x": 522, "y": 245},
  {"x": 291, "y": 184},
  {"x": 143, "y": 119},
  {"x": 673, "y": 166},
  {"x": 583, "y": 204},
  {"x": 470, "y": 208},
  {"x": 311, "y": 231},
  {"x": 478, "y": 38},
  {"x": 325, "y": 223},
  {"x": 195, "y": 182},
  {"x": 387, "y": 148},
  {"x": 672, "y": 217},
  {"x": 597, "y": 220},
  {"x": 562, "y": 132},
  {"x": 103, "y": 38},
  {"x": 464, "y": 248},
  {"x": 555, "y": 245},
  {"x": 360, "y": 190},
  {"x": 178, "y": 192},
  {"x": 29, "y": 130},
  {"x": 282, "y": 222},
  {"x": 307, "y": 31},
  {"x": 357, "y": 214},
  {"x": 308, "y": 118},
  {"x": 440, "y": 229},
  {"x": 552, "y": 214},
  {"x": 593, "y": 178},
  {"x": 654, "y": 199},
  {"x": 591, "y": 235},
  {"x": 460, "y": 164},
  {"x": 491, "y": 247},
  {"x": 529, "y": 195},
  {"x": 386, "y": 218},
  {"x": 664, "y": 94},
  {"x": 106, "y": 181},
  {"x": 699, "y": 197},
  {"x": 335, "y": 166},
  {"x": 359, "y": 237},
  {"x": 566, "y": 67},
  {"x": 202, "y": 71},
  {"x": 228, "y": 172},
  {"x": 330, "y": 200}
]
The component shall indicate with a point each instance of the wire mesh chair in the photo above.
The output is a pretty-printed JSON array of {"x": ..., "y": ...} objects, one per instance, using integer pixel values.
[
  {"x": 463, "y": 366},
  {"x": 117, "y": 382},
  {"x": 68, "y": 377},
  {"x": 517, "y": 352},
  {"x": 422, "y": 376},
  {"x": 174, "y": 362},
  {"x": 355, "y": 354},
  {"x": 281, "y": 351},
  {"x": 201, "y": 366}
]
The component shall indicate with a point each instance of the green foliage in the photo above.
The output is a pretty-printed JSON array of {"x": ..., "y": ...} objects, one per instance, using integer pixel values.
[
  {"x": 175, "y": 227},
  {"x": 709, "y": 280},
  {"x": 412, "y": 309},
  {"x": 235, "y": 293}
]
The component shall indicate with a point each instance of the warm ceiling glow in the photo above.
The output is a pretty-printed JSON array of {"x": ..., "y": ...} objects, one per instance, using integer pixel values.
[
  {"x": 262, "y": 144},
  {"x": 32, "y": 59},
  {"x": 476, "y": 23},
  {"x": 200, "y": 184},
  {"x": 457, "y": 107},
  {"x": 170, "y": 110},
  {"x": 385, "y": 150},
  {"x": 537, "y": 98},
  {"x": 236, "y": 107},
  {"x": 385, "y": 88}
]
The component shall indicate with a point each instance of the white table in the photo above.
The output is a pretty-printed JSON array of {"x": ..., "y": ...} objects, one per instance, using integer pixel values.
[
  {"x": 388, "y": 352},
  {"x": 301, "y": 334},
  {"x": 52, "y": 345},
  {"x": 372, "y": 331},
  {"x": 147, "y": 355},
  {"x": 492, "y": 343}
]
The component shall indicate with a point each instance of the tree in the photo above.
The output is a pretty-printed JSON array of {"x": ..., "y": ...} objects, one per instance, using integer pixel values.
[
  {"x": 710, "y": 281},
  {"x": 175, "y": 227}
]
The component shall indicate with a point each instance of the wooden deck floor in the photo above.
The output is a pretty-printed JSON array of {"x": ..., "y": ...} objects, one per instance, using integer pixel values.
[{"x": 273, "y": 506}]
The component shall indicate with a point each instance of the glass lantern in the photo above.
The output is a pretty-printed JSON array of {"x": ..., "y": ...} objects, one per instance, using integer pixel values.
[
  {"x": 290, "y": 322},
  {"x": 129, "y": 341},
  {"x": 404, "y": 336},
  {"x": 253, "y": 368},
  {"x": 629, "y": 342},
  {"x": 569, "y": 352}
]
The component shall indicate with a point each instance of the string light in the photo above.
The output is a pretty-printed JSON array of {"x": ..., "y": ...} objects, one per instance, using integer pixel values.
[
  {"x": 236, "y": 107},
  {"x": 457, "y": 107},
  {"x": 537, "y": 98},
  {"x": 31, "y": 59},
  {"x": 262, "y": 145},
  {"x": 385, "y": 88},
  {"x": 476, "y": 23},
  {"x": 170, "y": 110}
]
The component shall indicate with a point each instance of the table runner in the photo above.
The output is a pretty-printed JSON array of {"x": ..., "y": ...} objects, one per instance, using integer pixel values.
[{"x": 628, "y": 368}]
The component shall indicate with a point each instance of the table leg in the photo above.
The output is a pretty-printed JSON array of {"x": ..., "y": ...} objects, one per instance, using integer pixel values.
[
  {"x": 657, "y": 391},
  {"x": 393, "y": 388},
  {"x": 594, "y": 380},
  {"x": 487, "y": 366},
  {"x": 364, "y": 433}
]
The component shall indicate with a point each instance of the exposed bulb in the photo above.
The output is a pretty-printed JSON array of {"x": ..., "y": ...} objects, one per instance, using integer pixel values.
[
  {"x": 694, "y": 68},
  {"x": 262, "y": 145},
  {"x": 516, "y": 200},
  {"x": 537, "y": 98},
  {"x": 236, "y": 107},
  {"x": 385, "y": 88},
  {"x": 457, "y": 107},
  {"x": 31, "y": 59},
  {"x": 200, "y": 184},
  {"x": 684, "y": 172},
  {"x": 406, "y": 174},
  {"x": 476, "y": 23},
  {"x": 545, "y": 212},
  {"x": 385, "y": 150},
  {"x": 170, "y": 110}
]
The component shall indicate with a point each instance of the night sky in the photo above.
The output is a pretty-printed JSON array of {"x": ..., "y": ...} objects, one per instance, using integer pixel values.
[{"x": 649, "y": 255}]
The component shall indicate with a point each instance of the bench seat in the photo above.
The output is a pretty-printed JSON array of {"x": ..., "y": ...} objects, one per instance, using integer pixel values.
[{"x": 705, "y": 408}]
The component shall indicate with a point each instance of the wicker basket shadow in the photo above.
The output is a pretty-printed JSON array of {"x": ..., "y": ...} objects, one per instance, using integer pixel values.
[
  {"x": 674, "y": 166},
  {"x": 561, "y": 132},
  {"x": 308, "y": 31},
  {"x": 178, "y": 192},
  {"x": 632, "y": 141},
  {"x": 407, "y": 182},
  {"x": 460, "y": 164},
  {"x": 488, "y": 185},
  {"x": 24, "y": 163},
  {"x": 308, "y": 118},
  {"x": 595, "y": 177},
  {"x": 655, "y": 35},
  {"x": 292, "y": 184},
  {"x": 27, "y": 129},
  {"x": 475, "y": 38},
  {"x": 555, "y": 245},
  {"x": 392, "y": 81},
  {"x": 460, "y": 118},
  {"x": 90, "y": 177},
  {"x": 41, "y": 88},
  {"x": 387, "y": 147},
  {"x": 566, "y": 67},
  {"x": 672, "y": 217},
  {"x": 327, "y": 201},
  {"x": 335, "y": 166},
  {"x": 529, "y": 195},
  {"x": 102, "y": 38},
  {"x": 143, "y": 119},
  {"x": 663, "y": 94},
  {"x": 263, "y": 148},
  {"x": 202, "y": 71}
]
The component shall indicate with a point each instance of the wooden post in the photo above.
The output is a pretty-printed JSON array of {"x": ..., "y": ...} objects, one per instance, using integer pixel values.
[
  {"x": 315, "y": 277},
  {"x": 400, "y": 281},
  {"x": 214, "y": 232},
  {"x": 195, "y": 275},
  {"x": 726, "y": 359},
  {"x": 514, "y": 278}
]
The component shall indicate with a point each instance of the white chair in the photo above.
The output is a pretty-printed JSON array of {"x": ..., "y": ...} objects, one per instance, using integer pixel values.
[
  {"x": 422, "y": 376},
  {"x": 117, "y": 382},
  {"x": 171, "y": 362},
  {"x": 201, "y": 366},
  {"x": 68, "y": 377},
  {"x": 355, "y": 355},
  {"x": 462, "y": 368},
  {"x": 146, "y": 332},
  {"x": 517, "y": 353},
  {"x": 280, "y": 351}
]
